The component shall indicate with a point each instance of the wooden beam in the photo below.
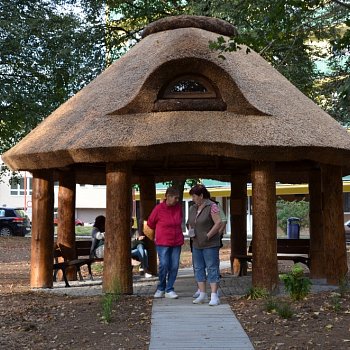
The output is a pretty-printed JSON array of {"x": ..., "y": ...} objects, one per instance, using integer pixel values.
[
  {"x": 147, "y": 203},
  {"x": 317, "y": 254},
  {"x": 265, "y": 268},
  {"x": 41, "y": 275},
  {"x": 333, "y": 219},
  {"x": 66, "y": 218},
  {"x": 238, "y": 205},
  {"x": 117, "y": 273}
]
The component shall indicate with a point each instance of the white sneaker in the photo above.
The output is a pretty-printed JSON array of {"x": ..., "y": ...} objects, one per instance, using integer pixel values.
[
  {"x": 196, "y": 295},
  {"x": 201, "y": 299},
  {"x": 159, "y": 294},
  {"x": 171, "y": 295},
  {"x": 214, "y": 302},
  {"x": 148, "y": 275}
]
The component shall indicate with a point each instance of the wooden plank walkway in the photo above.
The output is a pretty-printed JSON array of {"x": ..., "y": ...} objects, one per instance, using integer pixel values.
[{"x": 180, "y": 324}]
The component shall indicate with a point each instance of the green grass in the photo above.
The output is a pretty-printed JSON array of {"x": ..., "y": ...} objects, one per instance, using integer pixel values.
[{"x": 80, "y": 230}]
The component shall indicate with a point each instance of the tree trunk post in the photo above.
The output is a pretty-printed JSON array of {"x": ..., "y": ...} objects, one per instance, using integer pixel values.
[
  {"x": 117, "y": 271},
  {"x": 41, "y": 261},
  {"x": 66, "y": 218},
  {"x": 238, "y": 205},
  {"x": 333, "y": 219},
  {"x": 147, "y": 203},
  {"x": 265, "y": 266},
  {"x": 317, "y": 248}
]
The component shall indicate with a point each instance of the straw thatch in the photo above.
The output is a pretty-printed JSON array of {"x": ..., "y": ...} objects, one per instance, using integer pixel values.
[{"x": 115, "y": 118}]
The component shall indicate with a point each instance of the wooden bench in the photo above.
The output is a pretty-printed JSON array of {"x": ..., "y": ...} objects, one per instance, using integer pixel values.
[
  {"x": 297, "y": 250},
  {"x": 82, "y": 257}
]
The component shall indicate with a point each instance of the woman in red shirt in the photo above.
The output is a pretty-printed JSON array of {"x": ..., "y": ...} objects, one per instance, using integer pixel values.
[{"x": 166, "y": 220}]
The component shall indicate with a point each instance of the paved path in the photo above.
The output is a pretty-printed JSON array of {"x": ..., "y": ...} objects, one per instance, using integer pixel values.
[{"x": 180, "y": 324}]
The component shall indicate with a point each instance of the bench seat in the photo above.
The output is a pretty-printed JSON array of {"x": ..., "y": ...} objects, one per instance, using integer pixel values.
[{"x": 296, "y": 250}]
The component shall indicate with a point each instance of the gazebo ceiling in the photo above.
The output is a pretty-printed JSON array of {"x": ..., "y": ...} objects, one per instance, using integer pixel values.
[{"x": 243, "y": 110}]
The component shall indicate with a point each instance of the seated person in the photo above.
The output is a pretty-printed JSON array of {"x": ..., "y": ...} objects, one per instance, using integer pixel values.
[
  {"x": 98, "y": 235},
  {"x": 138, "y": 250}
]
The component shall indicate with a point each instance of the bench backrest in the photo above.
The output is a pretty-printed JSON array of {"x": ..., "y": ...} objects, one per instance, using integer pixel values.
[
  {"x": 289, "y": 246},
  {"x": 82, "y": 247}
]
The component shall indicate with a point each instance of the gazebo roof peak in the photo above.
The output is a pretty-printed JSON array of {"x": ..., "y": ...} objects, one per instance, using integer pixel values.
[{"x": 210, "y": 24}]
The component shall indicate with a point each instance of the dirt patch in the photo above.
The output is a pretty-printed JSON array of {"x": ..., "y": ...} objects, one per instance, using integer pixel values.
[{"x": 37, "y": 320}]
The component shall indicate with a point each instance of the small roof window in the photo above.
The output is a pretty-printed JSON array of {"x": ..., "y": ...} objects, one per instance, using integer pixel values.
[{"x": 189, "y": 86}]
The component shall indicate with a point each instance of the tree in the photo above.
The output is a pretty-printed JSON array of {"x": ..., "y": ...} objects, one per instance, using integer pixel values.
[{"x": 48, "y": 53}]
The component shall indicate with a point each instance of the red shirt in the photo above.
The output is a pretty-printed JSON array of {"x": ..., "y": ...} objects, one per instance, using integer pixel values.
[{"x": 166, "y": 220}]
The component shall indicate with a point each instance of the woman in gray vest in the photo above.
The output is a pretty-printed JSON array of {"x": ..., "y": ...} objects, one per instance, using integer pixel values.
[{"x": 204, "y": 223}]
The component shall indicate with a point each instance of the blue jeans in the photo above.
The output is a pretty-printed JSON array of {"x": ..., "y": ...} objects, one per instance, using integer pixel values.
[
  {"x": 169, "y": 260},
  {"x": 206, "y": 262},
  {"x": 140, "y": 253}
]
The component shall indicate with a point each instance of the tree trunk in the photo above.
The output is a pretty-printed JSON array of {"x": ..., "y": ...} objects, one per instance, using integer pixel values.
[
  {"x": 41, "y": 261},
  {"x": 238, "y": 207},
  {"x": 147, "y": 203},
  {"x": 66, "y": 218},
  {"x": 317, "y": 248},
  {"x": 333, "y": 219},
  {"x": 117, "y": 272},
  {"x": 265, "y": 267}
]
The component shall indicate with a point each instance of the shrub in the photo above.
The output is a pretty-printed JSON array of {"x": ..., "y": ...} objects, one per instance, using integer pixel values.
[
  {"x": 286, "y": 209},
  {"x": 295, "y": 283},
  {"x": 257, "y": 293}
]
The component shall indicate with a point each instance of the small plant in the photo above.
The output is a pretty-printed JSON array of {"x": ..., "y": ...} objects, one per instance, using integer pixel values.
[
  {"x": 335, "y": 301},
  {"x": 255, "y": 293},
  {"x": 343, "y": 287},
  {"x": 284, "y": 310},
  {"x": 271, "y": 305},
  {"x": 295, "y": 283},
  {"x": 107, "y": 302}
]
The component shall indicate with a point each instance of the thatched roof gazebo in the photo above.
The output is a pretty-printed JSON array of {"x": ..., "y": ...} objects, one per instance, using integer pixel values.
[{"x": 169, "y": 108}]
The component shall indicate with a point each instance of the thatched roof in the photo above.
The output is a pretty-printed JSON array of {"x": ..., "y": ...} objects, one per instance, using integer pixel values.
[{"x": 115, "y": 118}]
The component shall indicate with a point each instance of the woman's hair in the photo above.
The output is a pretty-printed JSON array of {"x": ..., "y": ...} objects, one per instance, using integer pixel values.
[
  {"x": 200, "y": 189},
  {"x": 100, "y": 223},
  {"x": 172, "y": 191}
]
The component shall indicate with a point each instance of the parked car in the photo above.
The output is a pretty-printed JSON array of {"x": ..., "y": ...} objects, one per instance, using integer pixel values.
[
  {"x": 347, "y": 231},
  {"x": 14, "y": 222},
  {"x": 78, "y": 222}
]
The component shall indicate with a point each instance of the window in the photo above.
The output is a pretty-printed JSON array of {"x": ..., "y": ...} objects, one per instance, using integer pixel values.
[
  {"x": 189, "y": 93},
  {"x": 189, "y": 87},
  {"x": 18, "y": 188}
]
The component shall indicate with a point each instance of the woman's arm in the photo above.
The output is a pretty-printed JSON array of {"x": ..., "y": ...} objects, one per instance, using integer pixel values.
[
  {"x": 100, "y": 235},
  {"x": 217, "y": 224}
]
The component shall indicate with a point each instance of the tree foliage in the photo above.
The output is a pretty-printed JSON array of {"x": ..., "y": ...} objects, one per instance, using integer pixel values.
[
  {"x": 48, "y": 53},
  {"x": 287, "y": 209}
]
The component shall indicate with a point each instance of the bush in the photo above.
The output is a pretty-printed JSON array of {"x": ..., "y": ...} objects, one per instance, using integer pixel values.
[
  {"x": 257, "y": 293},
  {"x": 296, "y": 284},
  {"x": 286, "y": 209}
]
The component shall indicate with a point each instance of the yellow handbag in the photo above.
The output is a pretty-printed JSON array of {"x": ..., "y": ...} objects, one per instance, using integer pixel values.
[{"x": 149, "y": 233}]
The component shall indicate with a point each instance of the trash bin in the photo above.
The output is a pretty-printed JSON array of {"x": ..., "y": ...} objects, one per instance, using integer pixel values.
[{"x": 293, "y": 228}]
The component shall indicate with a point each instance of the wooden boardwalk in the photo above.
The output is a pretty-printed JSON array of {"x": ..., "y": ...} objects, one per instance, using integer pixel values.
[{"x": 180, "y": 324}]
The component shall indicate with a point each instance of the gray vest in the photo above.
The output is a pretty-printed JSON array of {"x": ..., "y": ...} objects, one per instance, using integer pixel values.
[{"x": 202, "y": 225}]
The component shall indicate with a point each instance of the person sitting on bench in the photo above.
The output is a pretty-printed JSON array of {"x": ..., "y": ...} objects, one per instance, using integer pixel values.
[
  {"x": 98, "y": 236},
  {"x": 138, "y": 250}
]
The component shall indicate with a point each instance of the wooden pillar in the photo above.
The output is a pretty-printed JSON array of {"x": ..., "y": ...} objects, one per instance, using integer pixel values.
[
  {"x": 238, "y": 207},
  {"x": 333, "y": 219},
  {"x": 117, "y": 273},
  {"x": 147, "y": 203},
  {"x": 41, "y": 274},
  {"x": 66, "y": 218},
  {"x": 265, "y": 267},
  {"x": 318, "y": 263}
]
